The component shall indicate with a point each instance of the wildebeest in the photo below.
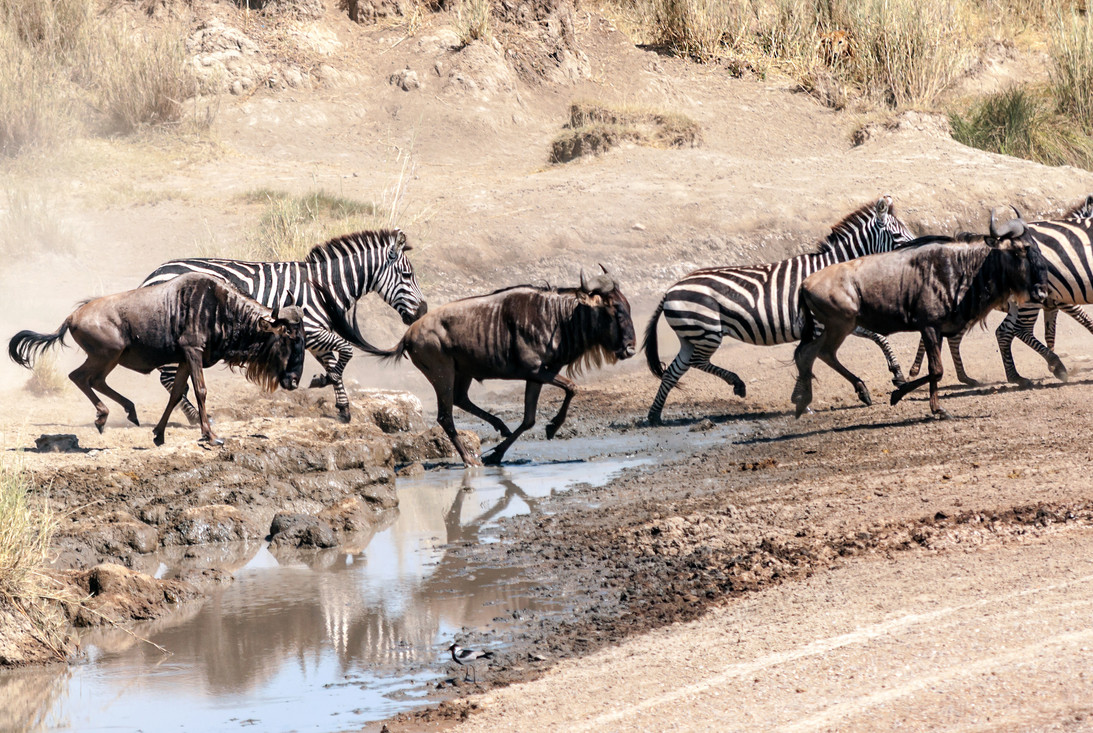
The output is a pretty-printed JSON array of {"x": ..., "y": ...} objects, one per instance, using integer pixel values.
[
  {"x": 934, "y": 285},
  {"x": 193, "y": 321},
  {"x": 524, "y": 332}
]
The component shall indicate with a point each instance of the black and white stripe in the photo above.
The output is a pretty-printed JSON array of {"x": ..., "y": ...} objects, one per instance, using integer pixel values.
[
  {"x": 346, "y": 267},
  {"x": 1067, "y": 244},
  {"x": 758, "y": 304}
]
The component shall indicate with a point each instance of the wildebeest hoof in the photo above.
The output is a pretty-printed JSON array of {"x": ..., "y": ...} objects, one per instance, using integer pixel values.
[
  {"x": 493, "y": 458},
  {"x": 101, "y": 426},
  {"x": 740, "y": 389},
  {"x": 551, "y": 430},
  {"x": 344, "y": 415},
  {"x": 157, "y": 439},
  {"x": 206, "y": 440},
  {"x": 942, "y": 414},
  {"x": 133, "y": 418},
  {"x": 319, "y": 380},
  {"x": 897, "y": 395},
  {"x": 863, "y": 394}
]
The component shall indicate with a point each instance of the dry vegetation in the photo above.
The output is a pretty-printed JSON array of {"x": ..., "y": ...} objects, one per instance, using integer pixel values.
[
  {"x": 26, "y": 529},
  {"x": 594, "y": 128},
  {"x": 29, "y": 224},
  {"x": 61, "y": 59}
]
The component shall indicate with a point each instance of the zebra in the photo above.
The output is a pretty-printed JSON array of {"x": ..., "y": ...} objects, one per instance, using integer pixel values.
[
  {"x": 757, "y": 304},
  {"x": 1068, "y": 246},
  {"x": 345, "y": 267}
]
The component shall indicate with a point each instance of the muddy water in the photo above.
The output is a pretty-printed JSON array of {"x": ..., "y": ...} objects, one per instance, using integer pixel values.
[{"x": 328, "y": 640}]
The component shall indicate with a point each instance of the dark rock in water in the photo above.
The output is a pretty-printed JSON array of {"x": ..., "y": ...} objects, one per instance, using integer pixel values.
[
  {"x": 411, "y": 470},
  {"x": 301, "y": 530},
  {"x": 58, "y": 443}
]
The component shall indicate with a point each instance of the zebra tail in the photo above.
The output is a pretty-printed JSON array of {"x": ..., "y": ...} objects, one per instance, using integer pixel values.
[
  {"x": 26, "y": 346},
  {"x": 397, "y": 353},
  {"x": 339, "y": 321},
  {"x": 650, "y": 346}
]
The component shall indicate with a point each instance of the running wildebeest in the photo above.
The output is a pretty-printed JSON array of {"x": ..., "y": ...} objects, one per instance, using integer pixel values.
[
  {"x": 523, "y": 332},
  {"x": 934, "y": 285},
  {"x": 193, "y": 321}
]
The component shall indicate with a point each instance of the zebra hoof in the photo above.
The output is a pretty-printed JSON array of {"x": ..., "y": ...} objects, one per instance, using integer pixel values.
[
  {"x": 319, "y": 380},
  {"x": 740, "y": 390},
  {"x": 1061, "y": 373},
  {"x": 654, "y": 420},
  {"x": 1021, "y": 382},
  {"x": 969, "y": 382},
  {"x": 344, "y": 415}
]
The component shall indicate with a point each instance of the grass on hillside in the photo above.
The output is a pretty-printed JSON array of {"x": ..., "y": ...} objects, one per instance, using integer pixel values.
[
  {"x": 65, "y": 66},
  {"x": 26, "y": 530},
  {"x": 1022, "y": 123},
  {"x": 29, "y": 225},
  {"x": 594, "y": 128}
]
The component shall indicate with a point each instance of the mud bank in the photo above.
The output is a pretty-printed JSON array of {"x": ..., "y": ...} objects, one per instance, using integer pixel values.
[{"x": 286, "y": 471}]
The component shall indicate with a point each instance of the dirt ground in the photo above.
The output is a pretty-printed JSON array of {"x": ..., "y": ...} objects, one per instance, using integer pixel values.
[{"x": 859, "y": 568}]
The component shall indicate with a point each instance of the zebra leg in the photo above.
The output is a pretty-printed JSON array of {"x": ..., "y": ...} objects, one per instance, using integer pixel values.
[
  {"x": 1019, "y": 322},
  {"x": 701, "y": 360},
  {"x": 958, "y": 362},
  {"x": 1078, "y": 314},
  {"x": 334, "y": 362},
  {"x": 889, "y": 355},
  {"x": 919, "y": 356},
  {"x": 677, "y": 369},
  {"x": 167, "y": 379},
  {"x": 1051, "y": 315}
]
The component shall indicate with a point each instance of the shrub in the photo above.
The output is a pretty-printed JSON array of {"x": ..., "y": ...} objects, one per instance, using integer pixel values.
[
  {"x": 33, "y": 112},
  {"x": 292, "y": 225},
  {"x": 594, "y": 128},
  {"x": 473, "y": 20},
  {"x": 1020, "y": 123},
  {"x": 699, "y": 29}
]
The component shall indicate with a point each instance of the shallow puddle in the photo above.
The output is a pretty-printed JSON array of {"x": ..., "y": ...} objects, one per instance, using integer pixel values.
[{"x": 325, "y": 640}]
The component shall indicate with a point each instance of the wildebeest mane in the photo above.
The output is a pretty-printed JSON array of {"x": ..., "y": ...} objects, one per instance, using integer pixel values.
[{"x": 239, "y": 348}]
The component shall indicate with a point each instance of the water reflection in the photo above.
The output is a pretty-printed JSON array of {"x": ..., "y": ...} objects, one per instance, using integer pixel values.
[{"x": 319, "y": 640}]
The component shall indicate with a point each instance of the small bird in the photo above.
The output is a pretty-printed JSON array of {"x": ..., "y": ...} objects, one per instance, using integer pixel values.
[{"x": 467, "y": 658}]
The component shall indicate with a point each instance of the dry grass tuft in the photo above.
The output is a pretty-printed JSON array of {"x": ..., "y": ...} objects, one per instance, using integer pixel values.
[
  {"x": 29, "y": 225},
  {"x": 46, "y": 378},
  {"x": 291, "y": 225},
  {"x": 1021, "y": 123},
  {"x": 595, "y": 128},
  {"x": 473, "y": 20},
  {"x": 1072, "y": 67},
  {"x": 26, "y": 530}
]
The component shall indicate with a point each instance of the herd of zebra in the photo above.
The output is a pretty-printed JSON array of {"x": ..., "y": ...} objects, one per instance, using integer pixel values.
[{"x": 757, "y": 304}]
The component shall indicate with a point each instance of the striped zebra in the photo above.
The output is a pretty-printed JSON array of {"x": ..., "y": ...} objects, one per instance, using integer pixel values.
[
  {"x": 757, "y": 304},
  {"x": 1067, "y": 245},
  {"x": 346, "y": 267}
]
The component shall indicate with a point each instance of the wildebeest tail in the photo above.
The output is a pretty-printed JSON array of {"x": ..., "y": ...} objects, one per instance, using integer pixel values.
[
  {"x": 26, "y": 346},
  {"x": 349, "y": 330},
  {"x": 650, "y": 346},
  {"x": 808, "y": 325}
]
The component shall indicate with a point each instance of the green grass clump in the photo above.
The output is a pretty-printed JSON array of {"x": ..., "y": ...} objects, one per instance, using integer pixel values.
[{"x": 1022, "y": 123}]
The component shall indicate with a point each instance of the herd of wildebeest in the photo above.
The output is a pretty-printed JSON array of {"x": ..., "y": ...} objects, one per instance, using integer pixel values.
[{"x": 869, "y": 277}]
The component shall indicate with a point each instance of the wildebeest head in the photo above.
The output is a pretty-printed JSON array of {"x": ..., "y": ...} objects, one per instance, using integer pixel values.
[
  {"x": 1026, "y": 270},
  {"x": 615, "y": 327},
  {"x": 397, "y": 284},
  {"x": 279, "y": 358}
]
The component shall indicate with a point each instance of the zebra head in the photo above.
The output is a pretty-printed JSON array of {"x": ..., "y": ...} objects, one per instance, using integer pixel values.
[
  {"x": 870, "y": 229},
  {"x": 396, "y": 283},
  {"x": 1082, "y": 211}
]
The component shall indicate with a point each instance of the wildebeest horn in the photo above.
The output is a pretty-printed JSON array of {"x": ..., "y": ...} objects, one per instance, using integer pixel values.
[
  {"x": 276, "y": 310},
  {"x": 584, "y": 282},
  {"x": 1013, "y": 229},
  {"x": 605, "y": 270}
]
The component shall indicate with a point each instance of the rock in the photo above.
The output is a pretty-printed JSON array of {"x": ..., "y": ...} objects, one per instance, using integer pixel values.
[
  {"x": 392, "y": 411},
  {"x": 212, "y": 523},
  {"x": 375, "y": 485},
  {"x": 406, "y": 80},
  {"x": 113, "y": 594},
  {"x": 301, "y": 530},
  {"x": 225, "y": 59},
  {"x": 431, "y": 445},
  {"x": 58, "y": 443},
  {"x": 352, "y": 515},
  {"x": 411, "y": 470},
  {"x": 369, "y": 11}
]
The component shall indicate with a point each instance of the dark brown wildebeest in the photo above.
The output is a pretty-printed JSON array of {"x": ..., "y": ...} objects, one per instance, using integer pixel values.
[
  {"x": 194, "y": 321},
  {"x": 524, "y": 332},
  {"x": 933, "y": 285}
]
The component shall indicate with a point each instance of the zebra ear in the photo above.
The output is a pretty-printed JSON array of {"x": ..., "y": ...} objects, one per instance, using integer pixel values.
[
  {"x": 883, "y": 206},
  {"x": 398, "y": 247}
]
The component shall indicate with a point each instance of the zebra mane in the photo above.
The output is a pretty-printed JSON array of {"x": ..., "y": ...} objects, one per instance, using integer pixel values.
[
  {"x": 1084, "y": 210},
  {"x": 348, "y": 244},
  {"x": 847, "y": 224}
]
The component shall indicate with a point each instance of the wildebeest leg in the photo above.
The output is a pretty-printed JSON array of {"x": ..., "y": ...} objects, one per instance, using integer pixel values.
[
  {"x": 531, "y": 403},
  {"x": 701, "y": 360},
  {"x": 126, "y": 403},
  {"x": 570, "y": 388},
  {"x": 463, "y": 401},
  {"x": 197, "y": 377},
  {"x": 932, "y": 339},
  {"x": 83, "y": 376},
  {"x": 954, "y": 351},
  {"x": 832, "y": 361},
  {"x": 889, "y": 355},
  {"x": 805, "y": 356},
  {"x": 441, "y": 374},
  {"x": 178, "y": 389},
  {"x": 167, "y": 379},
  {"x": 677, "y": 369}
]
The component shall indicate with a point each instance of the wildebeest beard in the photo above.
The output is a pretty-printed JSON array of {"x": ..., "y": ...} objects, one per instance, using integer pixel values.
[{"x": 263, "y": 362}]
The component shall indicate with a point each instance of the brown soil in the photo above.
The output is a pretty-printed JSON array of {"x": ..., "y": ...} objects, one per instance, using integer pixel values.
[{"x": 768, "y": 547}]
